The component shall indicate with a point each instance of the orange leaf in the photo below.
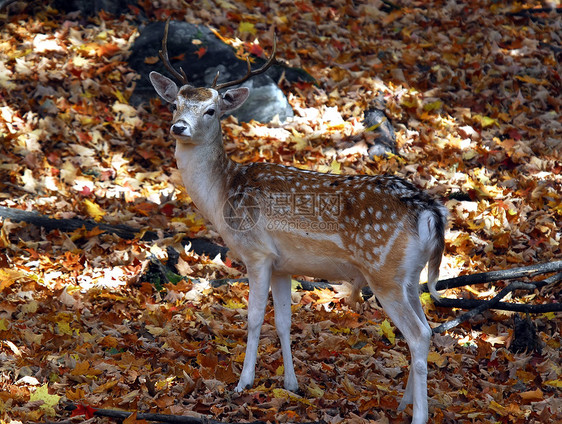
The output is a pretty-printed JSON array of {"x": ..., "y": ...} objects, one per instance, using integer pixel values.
[
  {"x": 532, "y": 395},
  {"x": 108, "y": 49},
  {"x": 81, "y": 368},
  {"x": 201, "y": 52},
  {"x": 151, "y": 60},
  {"x": 256, "y": 50},
  {"x": 132, "y": 419}
]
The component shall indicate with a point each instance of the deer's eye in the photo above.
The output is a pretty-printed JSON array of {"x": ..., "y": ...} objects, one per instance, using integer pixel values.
[
  {"x": 210, "y": 112},
  {"x": 174, "y": 107}
]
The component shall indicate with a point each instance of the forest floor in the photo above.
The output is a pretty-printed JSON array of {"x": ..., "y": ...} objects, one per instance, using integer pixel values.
[{"x": 473, "y": 91}]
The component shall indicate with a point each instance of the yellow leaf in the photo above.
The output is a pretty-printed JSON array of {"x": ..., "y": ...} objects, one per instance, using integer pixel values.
[
  {"x": 428, "y": 107},
  {"x": 232, "y": 304},
  {"x": 531, "y": 80},
  {"x": 3, "y": 324},
  {"x": 9, "y": 276},
  {"x": 437, "y": 359},
  {"x": 374, "y": 127},
  {"x": 223, "y": 349},
  {"x": 280, "y": 394},
  {"x": 426, "y": 299},
  {"x": 120, "y": 96},
  {"x": 87, "y": 120},
  {"x": 397, "y": 157},
  {"x": 64, "y": 328},
  {"x": 300, "y": 142},
  {"x": 554, "y": 383},
  {"x": 386, "y": 330},
  {"x": 247, "y": 27},
  {"x": 486, "y": 121},
  {"x": 496, "y": 407},
  {"x": 335, "y": 167},
  {"x": 280, "y": 370},
  {"x": 49, "y": 401},
  {"x": 94, "y": 210},
  {"x": 314, "y": 390}
]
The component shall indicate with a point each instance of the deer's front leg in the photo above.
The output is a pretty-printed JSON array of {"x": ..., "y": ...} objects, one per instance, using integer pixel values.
[
  {"x": 259, "y": 278},
  {"x": 281, "y": 290}
]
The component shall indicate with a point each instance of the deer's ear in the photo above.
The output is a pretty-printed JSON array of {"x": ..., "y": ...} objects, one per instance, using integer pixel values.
[
  {"x": 233, "y": 99},
  {"x": 164, "y": 86}
]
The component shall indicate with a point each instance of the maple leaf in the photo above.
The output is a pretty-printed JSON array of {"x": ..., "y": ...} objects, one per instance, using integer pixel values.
[
  {"x": 86, "y": 410},
  {"x": 49, "y": 401},
  {"x": 247, "y": 28}
]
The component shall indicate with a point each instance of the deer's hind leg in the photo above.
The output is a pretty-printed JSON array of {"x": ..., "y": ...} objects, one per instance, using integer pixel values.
[{"x": 281, "y": 290}]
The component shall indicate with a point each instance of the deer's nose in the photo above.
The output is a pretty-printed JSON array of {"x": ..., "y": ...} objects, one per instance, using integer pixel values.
[{"x": 180, "y": 128}]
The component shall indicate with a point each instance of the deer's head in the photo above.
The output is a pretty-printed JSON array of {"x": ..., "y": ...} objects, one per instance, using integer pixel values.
[{"x": 197, "y": 110}]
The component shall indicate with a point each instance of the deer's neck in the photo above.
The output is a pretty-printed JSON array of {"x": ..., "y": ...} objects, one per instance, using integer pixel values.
[{"x": 204, "y": 169}]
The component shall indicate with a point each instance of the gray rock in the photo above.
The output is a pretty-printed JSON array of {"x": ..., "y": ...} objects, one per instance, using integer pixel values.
[
  {"x": 184, "y": 40},
  {"x": 385, "y": 140},
  {"x": 93, "y": 7}
]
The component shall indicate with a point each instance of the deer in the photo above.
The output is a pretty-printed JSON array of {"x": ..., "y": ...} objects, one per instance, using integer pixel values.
[{"x": 378, "y": 231}]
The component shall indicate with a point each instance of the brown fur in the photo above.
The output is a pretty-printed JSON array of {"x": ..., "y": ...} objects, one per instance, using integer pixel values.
[{"x": 195, "y": 93}]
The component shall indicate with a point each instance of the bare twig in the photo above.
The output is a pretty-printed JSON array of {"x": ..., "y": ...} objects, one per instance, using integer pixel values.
[
  {"x": 487, "y": 277},
  {"x": 164, "y": 418},
  {"x": 493, "y": 303},
  {"x": 500, "y": 306},
  {"x": 517, "y": 285},
  {"x": 198, "y": 245}
]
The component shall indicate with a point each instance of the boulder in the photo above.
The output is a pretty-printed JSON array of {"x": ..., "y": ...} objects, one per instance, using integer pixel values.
[
  {"x": 201, "y": 54},
  {"x": 93, "y": 7}
]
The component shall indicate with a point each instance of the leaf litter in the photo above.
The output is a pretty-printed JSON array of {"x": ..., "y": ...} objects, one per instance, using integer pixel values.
[{"x": 472, "y": 90}]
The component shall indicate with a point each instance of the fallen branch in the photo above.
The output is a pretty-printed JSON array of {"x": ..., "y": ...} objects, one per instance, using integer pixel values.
[
  {"x": 484, "y": 306},
  {"x": 198, "y": 245},
  {"x": 535, "y": 11},
  {"x": 445, "y": 302},
  {"x": 163, "y": 418},
  {"x": 493, "y": 303},
  {"x": 504, "y": 274}
]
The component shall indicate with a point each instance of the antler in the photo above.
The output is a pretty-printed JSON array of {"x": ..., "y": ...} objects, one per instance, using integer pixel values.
[
  {"x": 250, "y": 73},
  {"x": 164, "y": 57}
]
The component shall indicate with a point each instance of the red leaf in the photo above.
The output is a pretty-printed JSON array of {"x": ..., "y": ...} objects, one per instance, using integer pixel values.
[
  {"x": 201, "y": 52},
  {"x": 86, "y": 191},
  {"x": 167, "y": 210},
  {"x": 516, "y": 135},
  {"x": 86, "y": 410},
  {"x": 256, "y": 50}
]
